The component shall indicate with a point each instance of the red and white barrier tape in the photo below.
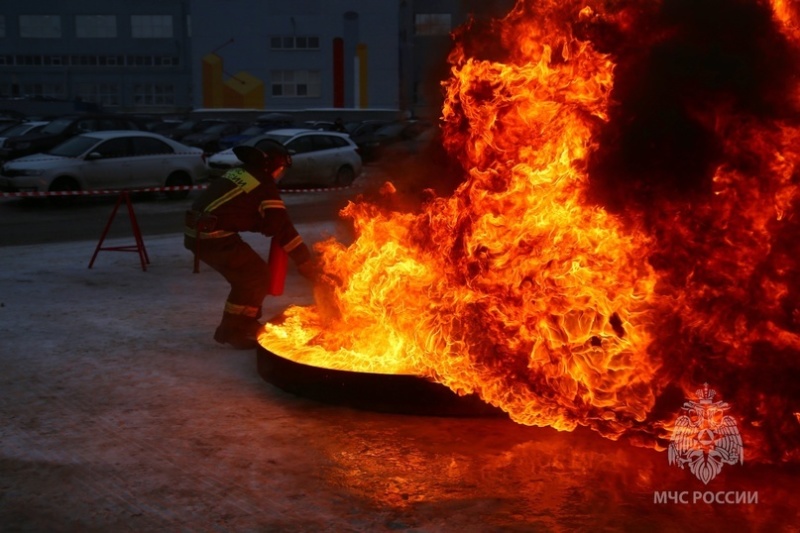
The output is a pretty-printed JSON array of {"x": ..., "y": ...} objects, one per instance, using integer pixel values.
[
  {"x": 106, "y": 192},
  {"x": 317, "y": 189},
  {"x": 100, "y": 192}
]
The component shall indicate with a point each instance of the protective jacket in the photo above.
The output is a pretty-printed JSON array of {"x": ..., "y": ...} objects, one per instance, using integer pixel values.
[
  {"x": 244, "y": 199},
  {"x": 241, "y": 201}
]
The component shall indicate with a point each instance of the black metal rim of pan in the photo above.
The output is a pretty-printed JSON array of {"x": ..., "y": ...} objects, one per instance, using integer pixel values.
[{"x": 386, "y": 393}]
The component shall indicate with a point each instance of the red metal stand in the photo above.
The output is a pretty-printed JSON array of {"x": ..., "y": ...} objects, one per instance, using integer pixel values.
[{"x": 137, "y": 233}]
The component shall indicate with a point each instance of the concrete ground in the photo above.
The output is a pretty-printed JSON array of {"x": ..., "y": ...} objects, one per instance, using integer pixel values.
[{"x": 120, "y": 413}]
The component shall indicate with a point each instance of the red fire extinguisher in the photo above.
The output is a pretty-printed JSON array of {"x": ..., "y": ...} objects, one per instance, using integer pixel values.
[{"x": 278, "y": 265}]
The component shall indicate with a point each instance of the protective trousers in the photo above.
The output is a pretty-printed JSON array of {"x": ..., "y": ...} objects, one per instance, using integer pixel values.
[{"x": 248, "y": 275}]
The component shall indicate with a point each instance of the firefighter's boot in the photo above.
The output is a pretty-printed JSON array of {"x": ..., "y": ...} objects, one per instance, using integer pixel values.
[{"x": 239, "y": 331}]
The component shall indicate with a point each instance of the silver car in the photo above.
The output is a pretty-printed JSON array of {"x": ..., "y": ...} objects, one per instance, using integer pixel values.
[
  {"x": 319, "y": 158},
  {"x": 108, "y": 160}
]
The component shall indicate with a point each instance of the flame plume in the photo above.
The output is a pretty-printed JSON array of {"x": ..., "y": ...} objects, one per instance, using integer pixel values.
[{"x": 601, "y": 256}]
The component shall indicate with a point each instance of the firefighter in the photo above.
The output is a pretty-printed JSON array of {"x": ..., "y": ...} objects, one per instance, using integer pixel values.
[{"x": 245, "y": 199}]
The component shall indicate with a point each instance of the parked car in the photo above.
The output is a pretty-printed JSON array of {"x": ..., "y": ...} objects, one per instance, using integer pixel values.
[
  {"x": 209, "y": 138},
  {"x": 10, "y": 118},
  {"x": 410, "y": 147},
  {"x": 263, "y": 124},
  {"x": 163, "y": 126},
  {"x": 229, "y": 141},
  {"x": 23, "y": 128},
  {"x": 275, "y": 121},
  {"x": 108, "y": 160},
  {"x": 318, "y": 157},
  {"x": 61, "y": 129},
  {"x": 374, "y": 145},
  {"x": 362, "y": 134},
  {"x": 322, "y": 125},
  {"x": 157, "y": 123},
  {"x": 7, "y": 123},
  {"x": 189, "y": 126}
]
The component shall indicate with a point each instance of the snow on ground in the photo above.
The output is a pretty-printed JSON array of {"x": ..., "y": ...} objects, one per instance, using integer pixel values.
[{"x": 120, "y": 413}]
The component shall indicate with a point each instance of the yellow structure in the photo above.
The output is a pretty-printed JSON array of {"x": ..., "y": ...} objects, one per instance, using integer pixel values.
[
  {"x": 212, "y": 81},
  {"x": 243, "y": 90},
  {"x": 363, "y": 78}
]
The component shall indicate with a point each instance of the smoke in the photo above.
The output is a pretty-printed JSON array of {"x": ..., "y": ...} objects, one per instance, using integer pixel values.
[
  {"x": 703, "y": 86},
  {"x": 681, "y": 66}
]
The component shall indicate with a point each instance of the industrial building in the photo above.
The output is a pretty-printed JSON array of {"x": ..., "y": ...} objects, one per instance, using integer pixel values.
[
  {"x": 176, "y": 55},
  {"x": 126, "y": 56}
]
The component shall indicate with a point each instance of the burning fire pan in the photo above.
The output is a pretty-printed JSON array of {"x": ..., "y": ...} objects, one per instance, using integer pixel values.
[{"x": 386, "y": 393}]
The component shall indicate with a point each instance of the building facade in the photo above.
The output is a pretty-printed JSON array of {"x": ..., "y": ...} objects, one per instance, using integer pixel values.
[
  {"x": 177, "y": 55},
  {"x": 293, "y": 55},
  {"x": 425, "y": 42},
  {"x": 122, "y": 55}
]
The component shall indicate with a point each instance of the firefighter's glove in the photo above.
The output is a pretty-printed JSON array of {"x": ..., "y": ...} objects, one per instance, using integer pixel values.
[{"x": 310, "y": 269}]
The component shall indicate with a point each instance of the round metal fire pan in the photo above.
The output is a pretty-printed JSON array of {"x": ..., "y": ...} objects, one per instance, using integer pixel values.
[{"x": 386, "y": 393}]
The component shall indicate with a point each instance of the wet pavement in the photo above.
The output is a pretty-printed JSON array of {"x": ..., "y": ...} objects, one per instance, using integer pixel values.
[{"x": 120, "y": 413}]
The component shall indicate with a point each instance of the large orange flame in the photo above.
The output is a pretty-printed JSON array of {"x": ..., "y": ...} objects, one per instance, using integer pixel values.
[{"x": 520, "y": 288}]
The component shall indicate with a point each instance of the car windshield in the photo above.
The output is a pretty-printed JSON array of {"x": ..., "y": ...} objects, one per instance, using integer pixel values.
[
  {"x": 280, "y": 138},
  {"x": 74, "y": 147},
  {"x": 390, "y": 130},
  {"x": 203, "y": 126},
  {"x": 253, "y": 130},
  {"x": 19, "y": 129},
  {"x": 216, "y": 128},
  {"x": 188, "y": 125},
  {"x": 57, "y": 126}
]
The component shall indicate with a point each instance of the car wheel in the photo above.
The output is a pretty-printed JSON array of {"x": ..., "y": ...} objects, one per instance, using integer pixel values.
[
  {"x": 64, "y": 184},
  {"x": 345, "y": 176},
  {"x": 178, "y": 179}
]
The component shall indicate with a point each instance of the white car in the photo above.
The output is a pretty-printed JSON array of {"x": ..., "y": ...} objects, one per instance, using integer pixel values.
[
  {"x": 319, "y": 158},
  {"x": 108, "y": 160}
]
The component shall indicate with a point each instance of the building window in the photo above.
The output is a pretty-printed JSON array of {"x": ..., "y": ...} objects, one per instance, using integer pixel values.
[
  {"x": 28, "y": 61},
  {"x": 166, "y": 61},
  {"x": 40, "y": 26},
  {"x": 296, "y": 83},
  {"x": 46, "y": 90},
  {"x": 153, "y": 94},
  {"x": 140, "y": 61},
  {"x": 90, "y": 61},
  {"x": 110, "y": 61},
  {"x": 152, "y": 61},
  {"x": 432, "y": 24},
  {"x": 56, "y": 61},
  {"x": 105, "y": 94},
  {"x": 95, "y": 26},
  {"x": 294, "y": 42},
  {"x": 151, "y": 26}
]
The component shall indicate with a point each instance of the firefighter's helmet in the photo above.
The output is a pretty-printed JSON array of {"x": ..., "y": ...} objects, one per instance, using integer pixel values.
[{"x": 269, "y": 157}]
